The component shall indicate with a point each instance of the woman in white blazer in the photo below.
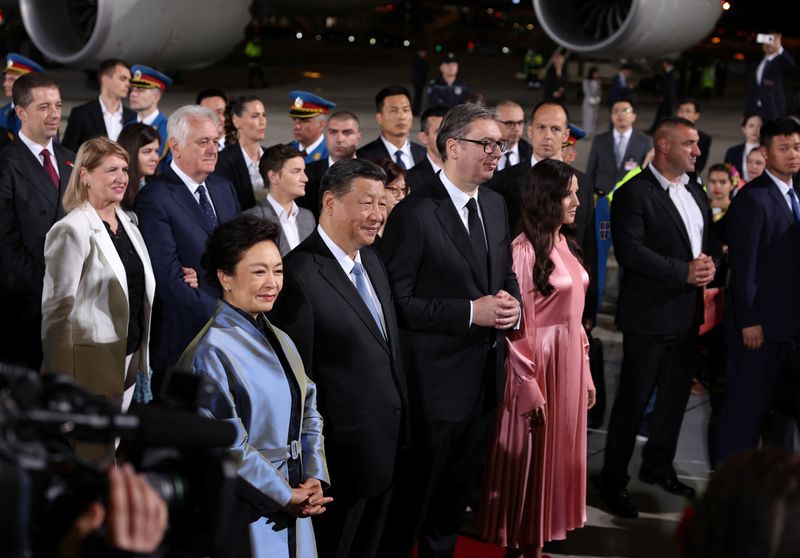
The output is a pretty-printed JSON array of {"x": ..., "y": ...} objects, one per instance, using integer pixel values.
[{"x": 99, "y": 284}]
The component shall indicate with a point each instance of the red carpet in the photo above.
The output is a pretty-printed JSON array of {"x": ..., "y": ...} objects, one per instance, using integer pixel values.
[{"x": 467, "y": 547}]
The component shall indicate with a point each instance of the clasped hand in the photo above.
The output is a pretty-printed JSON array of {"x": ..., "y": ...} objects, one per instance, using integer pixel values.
[
  {"x": 500, "y": 311},
  {"x": 307, "y": 499},
  {"x": 701, "y": 270}
]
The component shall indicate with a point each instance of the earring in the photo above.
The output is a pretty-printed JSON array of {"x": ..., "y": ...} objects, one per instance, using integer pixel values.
[{"x": 226, "y": 289}]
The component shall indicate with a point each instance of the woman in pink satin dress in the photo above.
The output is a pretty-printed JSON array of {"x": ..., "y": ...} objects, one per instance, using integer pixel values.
[{"x": 535, "y": 484}]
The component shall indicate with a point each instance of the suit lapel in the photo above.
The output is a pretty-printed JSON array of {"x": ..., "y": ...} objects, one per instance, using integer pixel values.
[
  {"x": 495, "y": 233},
  {"x": 780, "y": 200},
  {"x": 180, "y": 193},
  {"x": 221, "y": 206},
  {"x": 106, "y": 245},
  {"x": 37, "y": 177},
  {"x": 138, "y": 245},
  {"x": 96, "y": 115},
  {"x": 295, "y": 363},
  {"x": 448, "y": 216},
  {"x": 662, "y": 196},
  {"x": 333, "y": 273}
]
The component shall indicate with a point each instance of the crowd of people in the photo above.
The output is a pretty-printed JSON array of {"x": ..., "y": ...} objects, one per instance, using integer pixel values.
[{"x": 389, "y": 323}]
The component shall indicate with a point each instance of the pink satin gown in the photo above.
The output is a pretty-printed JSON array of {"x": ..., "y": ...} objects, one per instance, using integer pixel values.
[{"x": 535, "y": 484}]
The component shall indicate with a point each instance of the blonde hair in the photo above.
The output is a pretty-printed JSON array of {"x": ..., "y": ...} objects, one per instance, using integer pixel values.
[{"x": 90, "y": 156}]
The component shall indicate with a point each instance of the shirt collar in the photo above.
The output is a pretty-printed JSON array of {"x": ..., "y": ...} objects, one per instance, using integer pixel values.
[
  {"x": 626, "y": 134},
  {"x": 391, "y": 148},
  {"x": 344, "y": 260},
  {"x": 774, "y": 55},
  {"x": 248, "y": 161},
  {"x": 665, "y": 184},
  {"x": 534, "y": 160},
  {"x": 436, "y": 168},
  {"x": 150, "y": 118},
  {"x": 313, "y": 146},
  {"x": 36, "y": 148},
  {"x": 189, "y": 181},
  {"x": 105, "y": 111},
  {"x": 280, "y": 211},
  {"x": 784, "y": 186},
  {"x": 459, "y": 197}
]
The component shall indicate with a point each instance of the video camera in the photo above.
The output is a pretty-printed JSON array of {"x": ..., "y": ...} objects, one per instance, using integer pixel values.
[{"x": 45, "y": 484}]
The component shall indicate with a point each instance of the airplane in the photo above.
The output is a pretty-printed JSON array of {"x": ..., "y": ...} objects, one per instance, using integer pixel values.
[{"x": 196, "y": 33}]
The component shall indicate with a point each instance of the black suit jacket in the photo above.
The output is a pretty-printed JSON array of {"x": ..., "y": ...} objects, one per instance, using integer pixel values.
[
  {"x": 653, "y": 250},
  {"x": 361, "y": 389},
  {"x": 735, "y": 155},
  {"x": 764, "y": 257},
  {"x": 29, "y": 205},
  {"x": 175, "y": 231},
  {"x": 86, "y": 122},
  {"x": 231, "y": 166},
  {"x": 314, "y": 172},
  {"x": 376, "y": 150},
  {"x": 421, "y": 174},
  {"x": 510, "y": 184},
  {"x": 435, "y": 274},
  {"x": 770, "y": 92}
]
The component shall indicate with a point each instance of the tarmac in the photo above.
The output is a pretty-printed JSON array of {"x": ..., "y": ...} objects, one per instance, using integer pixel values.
[{"x": 350, "y": 76}]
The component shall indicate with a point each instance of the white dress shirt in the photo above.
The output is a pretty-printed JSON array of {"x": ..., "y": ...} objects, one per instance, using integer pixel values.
[
  {"x": 347, "y": 265},
  {"x": 436, "y": 168},
  {"x": 37, "y": 149},
  {"x": 192, "y": 185},
  {"x": 288, "y": 221},
  {"x": 763, "y": 64},
  {"x": 408, "y": 160},
  {"x": 113, "y": 120},
  {"x": 511, "y": 156},
  {"x": 256, "y": 180},
  {"x": 784, "y": 187},
  {"x": 150, "y": 118},
  {"x": 625, "y": 137},
  {"x": 534, "y": 160},
  {"x": 687, "y": 208},
  {"x": 313, "y": 146}
]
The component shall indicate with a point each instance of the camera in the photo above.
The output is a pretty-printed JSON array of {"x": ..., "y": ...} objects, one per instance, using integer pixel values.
[
  {"x": 46, "y": 483},
  {"x": 765, "y": 38}
]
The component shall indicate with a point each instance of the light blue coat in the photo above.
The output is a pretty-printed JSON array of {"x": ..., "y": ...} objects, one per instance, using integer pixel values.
[{"x": 256, "y": 399}]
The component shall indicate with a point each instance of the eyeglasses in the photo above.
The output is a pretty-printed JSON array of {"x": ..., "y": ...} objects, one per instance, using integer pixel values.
[
  {"x": 622, "y": 111},
  {"x": 489, "y": 146},
  {"x": 511, "y": 123},
  {"x": 397, "y": 192}
]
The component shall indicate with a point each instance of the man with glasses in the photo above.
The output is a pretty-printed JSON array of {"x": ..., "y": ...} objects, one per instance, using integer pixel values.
[
  {"x": 447, "y": 250},
  {"x": 622, "y": 149},
  {"x": 511, "y": 119}
]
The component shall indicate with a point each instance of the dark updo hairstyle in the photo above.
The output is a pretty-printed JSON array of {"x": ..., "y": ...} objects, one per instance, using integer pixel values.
[
  {"x": 236, "y": 107},
  {"x": 393, "y": 170},
  {"x": 132, "y": 138},
  {"x": 228, "y": 243},
  {"x": 751, "y": 508},
  {"x": 542, "y": 213},
  {"x": 275, "y": 157}
]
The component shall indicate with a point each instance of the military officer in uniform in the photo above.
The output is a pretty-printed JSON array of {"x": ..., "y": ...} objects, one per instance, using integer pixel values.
[
  {"x": 447, "y": 90},
  {"x": 147, "y": 88},
  {"x": 16, "y": 66},
  {"x": 309, "y": 114}
]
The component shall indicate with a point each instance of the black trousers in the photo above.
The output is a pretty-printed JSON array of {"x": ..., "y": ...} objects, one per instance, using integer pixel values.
[
  {"x": 431, "y": 496},
  {"x": 751, "y": 377},
  {"x": 351, "y": 527},
  {"x": 649, "y": 361}
]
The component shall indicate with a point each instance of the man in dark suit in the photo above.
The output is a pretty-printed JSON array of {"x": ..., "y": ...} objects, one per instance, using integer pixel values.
[
  {"x": 690, "y": 110},
  {"x": 393, "y": 106},
  {"x": 337, "y": 305},
  {"x": 661, "y": 226},
  {"x": 737, "y": 154},
  {"x": 177, "y": 213},
  {"x": 548, "y": 130},
  {"x": 620, "y": 87},
  {"x": 34, "y": 171},
  {"x": 765, "y": 95},
  {"x": 425, "y": 171},
  {"x": 666, "y": 94},
  {"x": 105, "y": 115},
  {"x": 342, "y": 135},
  {"x": 615, "y": 153},
  {"x": 763, "y": 235},
  {"x": 448, "y": 253},
  {"x": 511, "y": 119}
]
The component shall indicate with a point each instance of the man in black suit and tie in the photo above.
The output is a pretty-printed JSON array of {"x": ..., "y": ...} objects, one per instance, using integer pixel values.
[
  {"x": 393, "y": 106},
  {"x": 511, "y": 119},
  {"x": 615, "y": 153},
  {"x": 177, "y": 213},
  {"x": 661, "y": 226},
  {"x": 763, "y": 235},
  {"x": 448, "y": 253},
  {"x": 34, "y": 170},
  {"x": 765, "y": 95},
  {"x": 337, "y": 306},
  {"x": 342, "y": 136},
  {"x": 425, "y": 171},
  {"x": 105, "y": 115}
]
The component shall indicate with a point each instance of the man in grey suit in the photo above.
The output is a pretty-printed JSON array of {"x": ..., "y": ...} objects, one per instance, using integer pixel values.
[
  {"x": 284, "y": 171},
  {"x": 616, "y": 152}
]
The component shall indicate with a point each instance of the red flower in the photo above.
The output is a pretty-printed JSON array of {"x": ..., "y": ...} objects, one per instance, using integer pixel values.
[{"x": 68, "y": 163}]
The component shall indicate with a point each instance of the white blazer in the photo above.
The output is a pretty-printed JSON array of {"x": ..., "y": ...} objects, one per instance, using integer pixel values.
[{"x": 85, "y": 302}]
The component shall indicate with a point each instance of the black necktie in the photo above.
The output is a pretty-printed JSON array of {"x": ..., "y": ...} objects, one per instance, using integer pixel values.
[
  {"x": 398, "y": 158},
  {"x": 477, "y": 238},
  {"x": 508, "y": 159},
  {"x": 205, "y": 206}
]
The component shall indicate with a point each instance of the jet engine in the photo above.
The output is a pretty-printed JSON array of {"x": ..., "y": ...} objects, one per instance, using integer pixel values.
[
  {"x": 163, "y": 33},
  {"x": 627, "y": 28}
]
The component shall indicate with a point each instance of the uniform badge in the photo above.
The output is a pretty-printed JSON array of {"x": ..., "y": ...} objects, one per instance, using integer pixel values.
[
  {"x": 317, "y": 156},
  {"x": 137, "y": 74},
  {"x": 9, "y": 63},
  {"x": 298, "y": 103}
]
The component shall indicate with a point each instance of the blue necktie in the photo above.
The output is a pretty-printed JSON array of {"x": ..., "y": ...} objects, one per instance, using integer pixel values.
[
  {"x": 205, "y": 206},
  {"x": 398, "y": 157},
  {"x": 363, "y": 290},
  {"x": 795, "y": 205}
]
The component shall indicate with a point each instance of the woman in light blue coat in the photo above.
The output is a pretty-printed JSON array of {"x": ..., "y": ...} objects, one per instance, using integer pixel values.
[{"x": 265, "y": 393}]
